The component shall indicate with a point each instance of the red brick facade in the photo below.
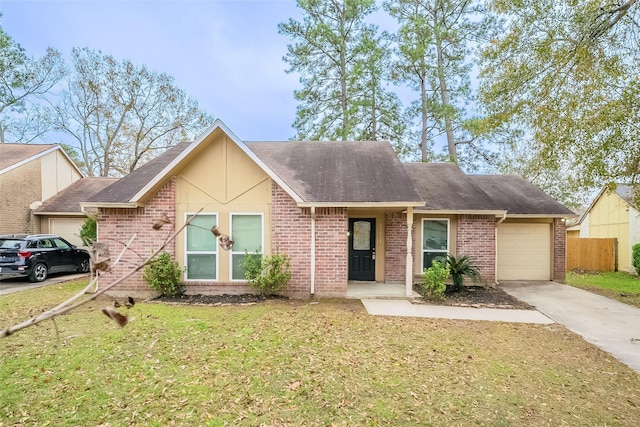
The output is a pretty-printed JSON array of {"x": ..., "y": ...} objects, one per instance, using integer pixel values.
[
  {"x": 117, "y": 226},
  {"x": 395, "y": 245},
  {"x": 476, "y": 238},
  {"x": 291, "y": 234},
  {"x": 559, "y": 249}
]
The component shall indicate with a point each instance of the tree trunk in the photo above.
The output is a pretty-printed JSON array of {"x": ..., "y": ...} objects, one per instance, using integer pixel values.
[
  {"x": 446, "y": 101},
  {"x": 424, "y": 149}
]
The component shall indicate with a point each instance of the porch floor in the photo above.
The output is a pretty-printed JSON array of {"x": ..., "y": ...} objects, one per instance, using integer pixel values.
[{"x": 373, "y": 290}]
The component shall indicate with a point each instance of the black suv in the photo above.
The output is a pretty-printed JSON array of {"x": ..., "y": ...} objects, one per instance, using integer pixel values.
[{"x": 36, "y": 256}]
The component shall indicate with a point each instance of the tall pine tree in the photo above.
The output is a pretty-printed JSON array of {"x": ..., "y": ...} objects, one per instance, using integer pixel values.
[{"x": 341, "y": 62}]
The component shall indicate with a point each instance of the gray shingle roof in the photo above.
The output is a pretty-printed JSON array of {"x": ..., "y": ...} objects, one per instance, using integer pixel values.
[
  {"x": 125, "y": 188},
  {"x": 519, "y": 197},
  {"x": 366, "y": 172},
  {"x": 10, "y": 154},
  {"x": 68, "y": 200},
  {"x": 444, "y": 187},
  {"x": 339, "y": 172}
]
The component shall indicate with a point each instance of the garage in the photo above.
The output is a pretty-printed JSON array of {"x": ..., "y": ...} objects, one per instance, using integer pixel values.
[
  {"x": 68, "y": 228},
  {"x": 524, "y": 251}
]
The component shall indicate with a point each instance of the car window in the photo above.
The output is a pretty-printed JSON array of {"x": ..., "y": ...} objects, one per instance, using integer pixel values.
[
  {"x": 61, "y": 244},
  {"x": 32, "y": 244},
  {"x": 45, "y": 243},
  {"x": 10, "y": 243}
]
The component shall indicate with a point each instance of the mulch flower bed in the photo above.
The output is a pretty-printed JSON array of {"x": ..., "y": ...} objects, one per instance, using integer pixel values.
[
  {"x": 482, "y": 297},
  {"x": 470, "y": 296}
]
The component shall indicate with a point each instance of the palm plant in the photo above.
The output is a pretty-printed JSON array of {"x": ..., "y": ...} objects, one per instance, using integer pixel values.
[{"x": 461, "y": 267}]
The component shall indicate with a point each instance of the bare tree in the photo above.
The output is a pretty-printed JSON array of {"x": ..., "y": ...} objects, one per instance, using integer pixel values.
[
  {"x": 23, "y": 82},
  {"x": 121, "y": 115}
]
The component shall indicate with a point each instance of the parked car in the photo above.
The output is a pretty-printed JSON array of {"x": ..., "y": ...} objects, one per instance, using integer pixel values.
[{"x": 38, "y": 255}]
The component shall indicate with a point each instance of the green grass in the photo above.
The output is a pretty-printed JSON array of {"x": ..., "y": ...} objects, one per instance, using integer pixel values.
[
  {"x": 292, "y": 363},
  {"x": 620, "y": 286}
]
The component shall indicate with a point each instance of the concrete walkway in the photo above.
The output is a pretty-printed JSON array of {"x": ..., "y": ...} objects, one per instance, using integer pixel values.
[
  {"x": 383, "y": 307},
  {"x": 610, "y": 325}
]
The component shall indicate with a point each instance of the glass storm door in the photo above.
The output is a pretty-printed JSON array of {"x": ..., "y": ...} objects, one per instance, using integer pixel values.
[{"x": 362, "y": 249}]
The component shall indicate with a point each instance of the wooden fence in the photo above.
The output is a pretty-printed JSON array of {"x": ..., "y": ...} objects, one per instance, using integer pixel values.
[{"x": 592, "y": 254}]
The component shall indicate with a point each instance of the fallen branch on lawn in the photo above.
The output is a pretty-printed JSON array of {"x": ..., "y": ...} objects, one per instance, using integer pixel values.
[{"x": 73, "y": 302}]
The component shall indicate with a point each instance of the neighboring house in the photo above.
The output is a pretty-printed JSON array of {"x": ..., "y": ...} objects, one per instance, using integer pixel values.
[
  {"x": 342, "y": 211},
  {"x": 29, "y": 175},
  {"x": 61, "y": 214},
  {"x": 613, "y": 214}
]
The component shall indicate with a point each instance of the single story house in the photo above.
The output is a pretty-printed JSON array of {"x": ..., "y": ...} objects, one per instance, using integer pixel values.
[
  {"x": 29, "y": 175},
  {"x": 612, "y": 214},
  {"x": 343, "y": 212}
]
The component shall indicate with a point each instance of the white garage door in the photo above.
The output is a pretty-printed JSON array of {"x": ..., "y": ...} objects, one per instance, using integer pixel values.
[
  {"x": 524, "y": 251},
  {"x": 68, "y": 228}
]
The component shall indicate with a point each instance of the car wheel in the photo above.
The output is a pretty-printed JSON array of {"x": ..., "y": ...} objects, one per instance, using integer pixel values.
[
  {"x": 84, "y": 266},
  {"x": 39, "y": 273}
]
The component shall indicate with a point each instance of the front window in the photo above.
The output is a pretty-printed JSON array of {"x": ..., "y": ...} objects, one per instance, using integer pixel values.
[
  {"x": 246, "y": 232},
  {"x": 201, "y": 248},
  {"x": 435, "y": 240}
]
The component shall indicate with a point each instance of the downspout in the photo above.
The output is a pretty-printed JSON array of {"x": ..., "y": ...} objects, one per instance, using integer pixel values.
[
  {"x": 313, "y": 251},
  {"x": 504, "y": 216}
]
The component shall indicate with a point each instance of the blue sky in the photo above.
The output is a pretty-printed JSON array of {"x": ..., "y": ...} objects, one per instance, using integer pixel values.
[{"x": 227, "y": 54}]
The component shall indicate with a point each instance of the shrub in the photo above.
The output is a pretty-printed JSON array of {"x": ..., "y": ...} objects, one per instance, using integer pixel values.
[
  {"x": 635, "y": 257},
  {"x": 88, "y": 231},
  {"x": 434, "y": 278},
  {"x": 267, "y": 274},
  {"x": 163, "y": 275},
  {"x": 460, "y": 267}
]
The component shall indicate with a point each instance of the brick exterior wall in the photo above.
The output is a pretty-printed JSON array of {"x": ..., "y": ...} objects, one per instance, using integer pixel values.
[
  {"x": 476, "y": 238},
  {"x": 117, "y": 226},
  {"x": 20, "y": 188},
  {"x": 291, "y": 234},
  {"x": 395, "y": 245},
  {"x": 559, "y": 249}
]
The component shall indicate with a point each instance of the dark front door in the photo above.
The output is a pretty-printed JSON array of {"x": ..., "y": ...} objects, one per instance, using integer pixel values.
[{"x": 362, "y": 249}]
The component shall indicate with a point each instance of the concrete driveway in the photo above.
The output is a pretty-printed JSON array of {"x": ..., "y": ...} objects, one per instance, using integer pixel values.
[
  {"x": 8, "y": 286},
  {"x": 610, "y": 325}
]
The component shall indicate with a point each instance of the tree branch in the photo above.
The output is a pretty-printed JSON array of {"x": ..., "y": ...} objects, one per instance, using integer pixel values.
[{"x": 71, "y": 303}]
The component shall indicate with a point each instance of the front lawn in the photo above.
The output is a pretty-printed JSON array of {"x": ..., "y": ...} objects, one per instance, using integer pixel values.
[
  {"x": 620, "y": 286},
  {"x": 293, "y": 363}
]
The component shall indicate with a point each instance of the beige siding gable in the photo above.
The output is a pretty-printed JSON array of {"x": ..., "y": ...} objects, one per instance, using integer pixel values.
[
  {"x": 609, "y": 217},
  {"x": 222, "y": 173},
  {"x": 57, "y": 173},
  {"x": 222, "y": 181}
]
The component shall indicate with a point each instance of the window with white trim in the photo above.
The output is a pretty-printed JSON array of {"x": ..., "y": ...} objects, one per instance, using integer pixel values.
[
  {"x": 435, "y": 240},
  {"x": 201, "y": 248},
  {"x": 248, "y": 237}
]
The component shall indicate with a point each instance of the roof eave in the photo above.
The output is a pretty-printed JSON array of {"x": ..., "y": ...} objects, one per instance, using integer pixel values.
[
  {"x": 555, "y": 215},
  {"x": 116, "y": 205},
  {"x": 53, "y": 213},
  {"x": 497, "y": 213},
  {"x": 359, "y": 204}
]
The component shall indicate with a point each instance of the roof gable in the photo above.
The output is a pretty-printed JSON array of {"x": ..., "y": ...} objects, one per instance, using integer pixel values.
[
  {"x": 625, "y": 192},
  {"x": 15, "y": 155}
]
